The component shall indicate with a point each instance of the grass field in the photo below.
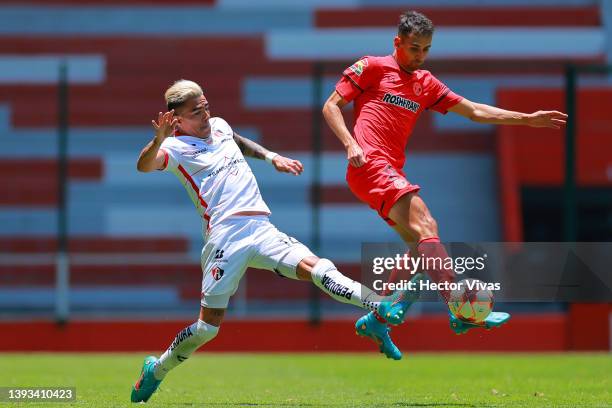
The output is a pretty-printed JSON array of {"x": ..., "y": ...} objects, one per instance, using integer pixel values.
[{"x": 326, "y": 380}]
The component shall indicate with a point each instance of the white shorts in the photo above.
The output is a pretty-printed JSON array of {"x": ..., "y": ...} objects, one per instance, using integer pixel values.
[{"x": 240, "y": 242}]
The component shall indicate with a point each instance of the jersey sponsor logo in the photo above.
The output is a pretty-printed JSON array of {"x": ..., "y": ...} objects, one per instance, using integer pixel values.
[
  {"x": 184, "y": 334},
  {"x": 336, "y": 288},
  {"x": 234, "y": 170},
  {"x": 417, "y": 88},
  {"x": 359, "y": 66},
  {"x": 217, "y": 273},
  {"x": 194, "y": 153},
  {"x": 396, "y": 100},
  {"x": 227, "y": 166},
  {"x": 219, "y": 253}
]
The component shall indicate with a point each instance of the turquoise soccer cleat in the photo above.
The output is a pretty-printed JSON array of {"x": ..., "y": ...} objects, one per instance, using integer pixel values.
[
  {"x": 394, "y": 311},
  {"x": 146, "y": 384},
  {"x": 369, "y": 326},
  {"x": 494, "y": 319}
]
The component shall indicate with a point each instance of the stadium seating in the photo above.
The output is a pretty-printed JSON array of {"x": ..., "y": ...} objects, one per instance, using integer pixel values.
[{"x": 255, "y": 61}]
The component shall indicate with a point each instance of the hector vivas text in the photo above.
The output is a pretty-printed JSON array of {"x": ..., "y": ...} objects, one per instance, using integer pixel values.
[{"x": 412, "y": 264}]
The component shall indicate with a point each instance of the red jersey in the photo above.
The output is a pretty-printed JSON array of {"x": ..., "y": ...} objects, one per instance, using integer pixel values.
[{"x": 388, "y": 101}]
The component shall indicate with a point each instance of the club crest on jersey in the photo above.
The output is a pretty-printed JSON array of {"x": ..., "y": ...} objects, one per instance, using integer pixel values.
[
  {"x": 217, "y": 273},
  {"x": 359, "y": 66},
  {"x": 397, "y": 100},
  {"x": 400, "y": 183},
  {"x": 417, "y": 88}
]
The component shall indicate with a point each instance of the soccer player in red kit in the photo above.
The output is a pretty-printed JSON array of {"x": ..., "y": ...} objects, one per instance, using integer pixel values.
[{"x": 389, "y": 95}]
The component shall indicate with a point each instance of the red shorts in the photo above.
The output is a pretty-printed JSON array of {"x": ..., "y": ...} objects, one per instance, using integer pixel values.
[{"x": 379, "y": 185}]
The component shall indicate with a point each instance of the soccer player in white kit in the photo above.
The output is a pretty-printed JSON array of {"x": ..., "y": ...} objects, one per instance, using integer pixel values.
[{"x": 207, "y": 157}]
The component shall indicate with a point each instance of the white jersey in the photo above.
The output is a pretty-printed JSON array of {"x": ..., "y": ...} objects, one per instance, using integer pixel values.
[{"x": 214, "y": 172}]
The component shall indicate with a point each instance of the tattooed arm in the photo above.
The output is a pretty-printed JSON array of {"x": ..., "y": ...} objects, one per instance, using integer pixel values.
[
  {"x": 283, "y": 164},
  {"x": 249, "y": 148}
]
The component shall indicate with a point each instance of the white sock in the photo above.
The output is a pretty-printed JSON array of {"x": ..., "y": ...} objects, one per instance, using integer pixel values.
[
  {"x": 185, "y": 343},
  {"x": 343, "y": 289}
]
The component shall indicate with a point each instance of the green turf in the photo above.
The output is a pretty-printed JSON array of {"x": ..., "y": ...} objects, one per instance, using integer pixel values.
[{"x": 327, "y": 380}]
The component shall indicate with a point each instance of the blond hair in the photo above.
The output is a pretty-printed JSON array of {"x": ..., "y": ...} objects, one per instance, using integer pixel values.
[{"x": 181, "y": 91}]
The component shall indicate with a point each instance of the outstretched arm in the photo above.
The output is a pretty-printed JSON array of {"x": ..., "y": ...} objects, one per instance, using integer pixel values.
[
  {"x": 481, "y": 113},
  {"x": 250, "y": 148},
  {"x": 283, "y": 164},
  {"x": 332, "y": 111}
]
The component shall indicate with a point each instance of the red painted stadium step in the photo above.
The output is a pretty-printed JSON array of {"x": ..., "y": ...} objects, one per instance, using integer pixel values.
[
  {"x": 134, "y": 84},
  {"x": 262, "y": 284},
  {"x": 128, "y": 101},
  {"x": 538, "y": 153},
  {"x": 266, "y": 285},
  {"x": 36, "y": 168},
  {"x": 103, "y": 274},
  {"x": 337, "y": 194},
  {"x": 95, "y": 244},
  {"x": 198, "y": 48},
  {"x": 291, "y": 130},
  {"x": 118, "y": 102},
  {"x": 186, "y": 277},
  {"x": 131, "y": 56},
  {"x": 515, "y": 16},
  {"x": 284, "y": 130},
  {"x": 112, "y": 2},
  {"x": 428, "y": 333},
  {"x": 478, "y": 66},
  {"x": 535, "y": 157},
  {"x": 32, "y": 182},
  {"x": 25, "y": 194}
]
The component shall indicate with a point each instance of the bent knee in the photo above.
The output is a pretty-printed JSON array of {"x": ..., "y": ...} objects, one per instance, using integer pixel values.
[
  {"x": 212, "y": 316},
  {"x": 303, "y": 271}
]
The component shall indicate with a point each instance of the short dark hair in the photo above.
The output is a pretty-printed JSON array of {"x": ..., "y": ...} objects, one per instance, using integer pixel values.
[{"x": 414, "y": 22}]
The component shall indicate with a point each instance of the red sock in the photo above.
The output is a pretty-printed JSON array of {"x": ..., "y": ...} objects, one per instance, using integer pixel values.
[{"x": 432, "y": 248}]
